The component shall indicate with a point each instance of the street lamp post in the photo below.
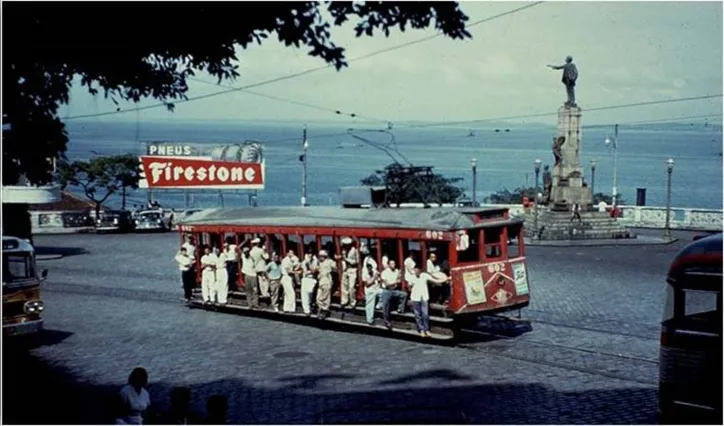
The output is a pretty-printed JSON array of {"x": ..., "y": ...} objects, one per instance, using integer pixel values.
[
  {"x": 305, "y": 146},
  {"x": 669, "y": 170},
  {"x": 613, "y": 143},
  {"x": 538, "y": 196},
  {"x": 593, "y": 178},
  {"x": 536, "y": 168},
  {"x": 474, "y": 163}
]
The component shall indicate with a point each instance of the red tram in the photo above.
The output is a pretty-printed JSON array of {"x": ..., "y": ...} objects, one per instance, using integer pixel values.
[{"x": 480, "y": 249}]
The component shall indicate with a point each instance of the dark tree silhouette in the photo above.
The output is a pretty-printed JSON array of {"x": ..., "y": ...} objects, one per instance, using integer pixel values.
[
  {"x": 415, "y": 184},
  {"x": 132, "y": 51}
]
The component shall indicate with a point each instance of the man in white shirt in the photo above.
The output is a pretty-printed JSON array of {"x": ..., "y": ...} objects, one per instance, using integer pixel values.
[
  {"x": 391, "y": 283},
  {"x": 208, "y": 274},
  {"x": 371, "y": 280},
  {"x": 420, "y": 297},
  {"x": 432, "y": 267},
  {"x": 289, "y": 265},
  {"x": 409, "y": 266},
  {"x": 232, "y": 263},
  {"x": 221, "y": 289},
  {"x": 310, "y": 266},
  {"x": 324, "y": 290},
  {"x": 250, "y": 279},
  {"x": 187, "y": 278},
  {"x": 348, "y": 297}
]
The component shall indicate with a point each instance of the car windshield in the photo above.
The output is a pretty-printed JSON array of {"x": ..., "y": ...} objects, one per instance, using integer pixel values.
[{"x": 17, "y": 267}]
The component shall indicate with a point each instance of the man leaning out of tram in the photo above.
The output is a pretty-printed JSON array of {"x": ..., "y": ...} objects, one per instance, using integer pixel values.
[
  {"x": 391, "y": 289},
  {"x": 324, "y": 290},
  {"x": 420, "y": 297},
  {"x": 185, "y": 262},
  {"x": 274, "y": 273},
  {"x": 310, "y": 266},
  {"x": 371, "y": 280}
]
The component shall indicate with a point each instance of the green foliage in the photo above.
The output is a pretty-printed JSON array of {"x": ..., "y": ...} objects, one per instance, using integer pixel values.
[
  {"x": 433, "y": 188},
  {"x": 101, "y": 177},
  {"x": 608, "y": 199},
  {"x": 51, "y": 44},
  {"x": 506, "y": 196}
]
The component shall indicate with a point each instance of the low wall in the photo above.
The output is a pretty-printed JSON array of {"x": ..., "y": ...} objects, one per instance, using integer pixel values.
[{"x": 654, "y": 217}]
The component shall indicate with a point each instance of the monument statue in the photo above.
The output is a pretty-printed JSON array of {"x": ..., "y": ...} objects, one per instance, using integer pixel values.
[
  {"x": 558, "y": 142},
  {"x": 547, "y": 184},
  {"x": 570, "y": 75}
]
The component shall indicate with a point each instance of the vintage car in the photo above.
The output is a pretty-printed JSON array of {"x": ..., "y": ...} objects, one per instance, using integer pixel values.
[
  {"x": 151, "y": 220},
  {"x": 114, "y": 221}
]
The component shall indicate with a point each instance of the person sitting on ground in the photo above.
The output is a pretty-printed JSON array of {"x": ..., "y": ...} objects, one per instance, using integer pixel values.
[
  {"x": 134, "y": 398},
  {"x": 216, "y": 407}
]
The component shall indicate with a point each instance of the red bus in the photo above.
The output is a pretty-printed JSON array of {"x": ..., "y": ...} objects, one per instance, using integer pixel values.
[{"x": 480, "y": 249}]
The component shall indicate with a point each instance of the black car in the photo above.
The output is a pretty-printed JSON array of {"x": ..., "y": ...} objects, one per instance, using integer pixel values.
[
  {"x": 114, "y": 221},
  {"x": 151, "y": 220}
]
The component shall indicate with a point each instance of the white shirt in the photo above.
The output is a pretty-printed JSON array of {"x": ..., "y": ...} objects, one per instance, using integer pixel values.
[
  {"x": 136, "y": 403},
  {"x": 368, "y": 277},
  {"x": 247, "y": 266},
  {"x": 184, "y": 262},
  {"x": 190, "y": 248},
  {"x": 257, "y": 254},
  {"x": 351, "y": 259},
  {"x": 221, "y": 261},
  {"x": 208, "y": 260},
  {"x": 390, "y": 276},
  {"x": 308, "y": 265},
  {"x": 409, "y": 267},
  {"x": 431, "y": 267},
  {"x": 371, "y": 261},
  {"x": 230, "y": 253},
  {"x": 419, "y": 292},
  {"x": 385, "y": 262},
  {"x": 288, "y": 265}
]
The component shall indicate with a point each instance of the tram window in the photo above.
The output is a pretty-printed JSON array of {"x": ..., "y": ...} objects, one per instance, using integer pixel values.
[
  {"x": 390, "y": 250},
  {"x": 470, "y": 252},
  {"x": 310, "y": 244},
  {"x": 493, "y": 242},
  {"x": 513, "y": 242}
]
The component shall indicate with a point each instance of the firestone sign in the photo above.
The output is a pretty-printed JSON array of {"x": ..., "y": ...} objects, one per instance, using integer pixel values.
[{"x": 183, "y": 166}]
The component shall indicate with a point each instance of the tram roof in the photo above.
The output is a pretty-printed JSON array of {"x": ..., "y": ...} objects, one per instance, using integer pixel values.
[
  {"x": 440, "y": 219},
  {"x": 705, "y": 252}
]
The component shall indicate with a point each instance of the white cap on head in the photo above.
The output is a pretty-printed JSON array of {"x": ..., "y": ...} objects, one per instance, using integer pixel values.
[
  {"x": 255, "y": 241},
  {"x": 322, "y": 253},
  {"x": 346, "y": 240}
]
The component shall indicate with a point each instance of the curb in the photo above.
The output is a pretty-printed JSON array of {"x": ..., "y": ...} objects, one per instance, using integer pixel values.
[
  {"x": 601, "y": 243},
  {"x": 42, "y": 257}
]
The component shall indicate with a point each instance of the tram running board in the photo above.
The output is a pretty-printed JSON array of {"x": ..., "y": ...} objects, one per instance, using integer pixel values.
[{"x": 378, "y": 327}]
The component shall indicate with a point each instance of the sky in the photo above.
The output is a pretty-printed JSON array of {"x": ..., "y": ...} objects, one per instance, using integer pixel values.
[{"x": 626, "y": 52}]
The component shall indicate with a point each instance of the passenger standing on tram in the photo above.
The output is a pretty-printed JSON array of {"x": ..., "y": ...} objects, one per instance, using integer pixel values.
[
  {"x": 391, "y": 289},
  {"x": 371, "y": 279},
  {"x": 274, "y": 273},
  {"x": 185, "y": 263},
  {"x": 349, "y": 277},
  {"x": 290, "y": 264},
  {"x": 221, "y": 289},
  {"x": 443, "y": 292},
  {"x": 409, "y": 266},
  {"x": 208, "y": 274},
  {"x": 261, "y": 274},
  {"x": 232, "y": 263},
  {"x": 250, "y": 281},
  {"x": 420, "y": 297},
  {"x": 324, "y": 291},
  {"x": 310, "y": 266}
]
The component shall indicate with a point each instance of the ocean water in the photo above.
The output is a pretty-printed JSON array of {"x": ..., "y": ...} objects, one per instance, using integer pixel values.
[{"x": 505, "y": 158}]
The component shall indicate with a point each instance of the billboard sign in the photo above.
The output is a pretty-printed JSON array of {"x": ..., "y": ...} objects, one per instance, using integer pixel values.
[{"x": 193, "y": 166}]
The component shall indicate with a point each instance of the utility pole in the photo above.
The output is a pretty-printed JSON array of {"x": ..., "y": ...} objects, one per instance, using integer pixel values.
[{"x": 303, "y": 158}]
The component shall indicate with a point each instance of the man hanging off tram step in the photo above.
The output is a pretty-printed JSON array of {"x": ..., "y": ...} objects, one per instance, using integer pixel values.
[
  {"x": 349, "y": 277},
  {"x": 250, "y": 281},
  {"x": 310, "y": 267},
  {"x": 208, "y": 274},
  {"x": 324, "y": 290},
  {"x": 391, "y": 282},
  {"x": 221, "y": 286}
]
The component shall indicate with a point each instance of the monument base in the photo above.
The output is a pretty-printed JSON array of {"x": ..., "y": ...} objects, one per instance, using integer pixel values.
[
  {"x": 557, "y": 225},
  {"x": 570, "y": 195}
]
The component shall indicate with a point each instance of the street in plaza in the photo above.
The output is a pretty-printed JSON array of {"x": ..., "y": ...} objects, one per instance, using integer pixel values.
[{"x": 113, "y": 303}]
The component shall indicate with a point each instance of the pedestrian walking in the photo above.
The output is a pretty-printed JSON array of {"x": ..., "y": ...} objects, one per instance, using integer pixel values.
[{"x": 134, "y": 398}]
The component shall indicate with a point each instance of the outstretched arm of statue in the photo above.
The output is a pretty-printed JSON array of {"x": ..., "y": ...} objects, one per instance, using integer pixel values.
[{"x": 556, "y": 67}]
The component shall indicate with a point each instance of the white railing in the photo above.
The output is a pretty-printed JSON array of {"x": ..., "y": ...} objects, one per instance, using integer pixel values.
[{"x": 653, "y": 217}]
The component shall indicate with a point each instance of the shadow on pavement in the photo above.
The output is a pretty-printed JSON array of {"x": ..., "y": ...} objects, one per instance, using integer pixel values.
[
  {"x": 60, "y": 251},
  {"x": 38, "y": 393}
]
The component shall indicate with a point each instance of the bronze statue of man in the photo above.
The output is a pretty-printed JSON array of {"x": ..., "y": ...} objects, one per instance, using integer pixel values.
[
  {"x": 558, "y": 142},
  {"x": 547, "y": 184},
  {"x": 570, "y": 75}
]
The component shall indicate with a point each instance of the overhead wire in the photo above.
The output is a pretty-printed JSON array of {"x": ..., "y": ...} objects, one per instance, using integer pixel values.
[{"x": 305, "y": 72}]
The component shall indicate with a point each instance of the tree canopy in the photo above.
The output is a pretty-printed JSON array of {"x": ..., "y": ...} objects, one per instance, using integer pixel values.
[
  {"x": 410, "y": 184},
  {"x": 101, "y": 177},
  {"x": 131, "y": 51}
]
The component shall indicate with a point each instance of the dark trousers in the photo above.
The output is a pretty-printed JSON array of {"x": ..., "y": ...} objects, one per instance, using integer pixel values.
[
  {"x": 387, "y": 296},
  {"x": 251, "y": 286},
  {"x": 422, "y": 315},
  {"x": 188, "y": 281},
  {"x": 231, "y": 270}
]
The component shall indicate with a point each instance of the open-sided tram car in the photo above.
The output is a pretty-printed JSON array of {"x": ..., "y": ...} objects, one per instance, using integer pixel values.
[{"x": 481, "y": 249}]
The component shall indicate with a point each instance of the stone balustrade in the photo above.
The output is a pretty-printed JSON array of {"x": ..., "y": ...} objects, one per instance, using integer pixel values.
[{"x": 655, "y": 217}]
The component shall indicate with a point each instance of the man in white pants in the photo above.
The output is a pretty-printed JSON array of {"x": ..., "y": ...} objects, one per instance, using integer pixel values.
[
  {"x": 309, "y": 269},
  {"x": 208, "y": 275},
  {"x": 289, "y": 264},
  {"x": 349, "y": 277},
  {"x": 222, "y": 279}
]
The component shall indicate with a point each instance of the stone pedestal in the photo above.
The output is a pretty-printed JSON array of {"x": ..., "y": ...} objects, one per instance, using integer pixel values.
[
  {"x": 567, "y": 176},
  {"x": 554, "y": 221}
]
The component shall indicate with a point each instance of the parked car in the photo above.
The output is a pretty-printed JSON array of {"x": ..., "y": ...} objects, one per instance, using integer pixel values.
[
  {"x": 151, "y": 220},
  {"x": 114, "y": 221}
]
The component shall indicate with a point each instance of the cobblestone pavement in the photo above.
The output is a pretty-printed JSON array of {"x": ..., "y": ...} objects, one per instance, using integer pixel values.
[{"x": 114, "y": 303}]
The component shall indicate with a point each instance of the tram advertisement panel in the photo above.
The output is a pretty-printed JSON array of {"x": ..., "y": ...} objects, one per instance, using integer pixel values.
[{"x": 168, "y": 165}]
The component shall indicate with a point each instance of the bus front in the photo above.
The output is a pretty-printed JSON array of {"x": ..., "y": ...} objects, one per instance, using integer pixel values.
[{"x": 22, "y": 305}]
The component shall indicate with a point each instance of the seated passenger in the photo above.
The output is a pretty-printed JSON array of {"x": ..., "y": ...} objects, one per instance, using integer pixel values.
[{"x": 391, "y": 289}]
